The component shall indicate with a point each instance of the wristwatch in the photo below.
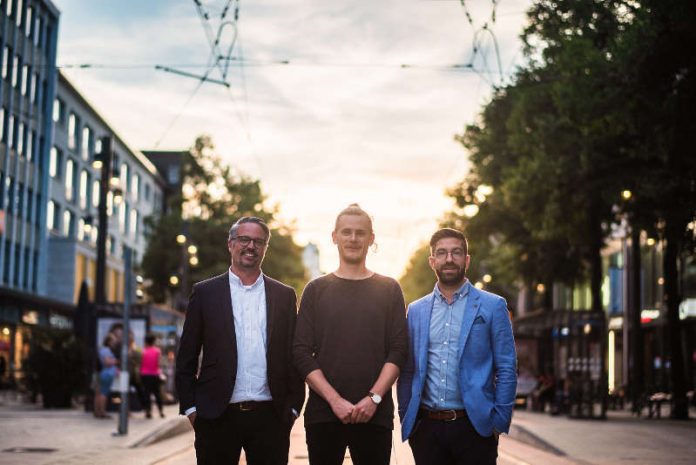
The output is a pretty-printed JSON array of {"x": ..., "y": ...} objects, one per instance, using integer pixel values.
[{"x": 376, "y": 398}]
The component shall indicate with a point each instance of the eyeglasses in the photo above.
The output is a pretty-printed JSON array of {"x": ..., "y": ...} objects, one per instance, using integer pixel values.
[
  {"x": 441, "y": 254},
  {"x": 246, "y": 240}
]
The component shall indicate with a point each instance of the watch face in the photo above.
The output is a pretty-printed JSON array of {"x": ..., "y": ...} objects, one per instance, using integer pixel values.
[{"x": 376, "y": 398}]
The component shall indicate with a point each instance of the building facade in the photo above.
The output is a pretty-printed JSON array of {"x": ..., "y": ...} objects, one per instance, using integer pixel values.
[
  {"x": 137, "y": 192},
  {"x": 28, "y": 41}
]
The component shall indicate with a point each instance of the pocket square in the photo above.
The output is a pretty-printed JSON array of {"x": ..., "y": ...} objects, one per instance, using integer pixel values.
[{"x": 479, "y": 320}]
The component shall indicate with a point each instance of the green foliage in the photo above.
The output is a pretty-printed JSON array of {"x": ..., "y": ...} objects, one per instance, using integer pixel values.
[
  {"x": 213, "y": 197},
  {"x": 55, "y": 366},
  {"x": 418, "y": 279}
]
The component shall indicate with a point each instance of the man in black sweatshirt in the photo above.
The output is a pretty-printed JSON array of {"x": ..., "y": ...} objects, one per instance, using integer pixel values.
[{"x": 350, "y": 344}]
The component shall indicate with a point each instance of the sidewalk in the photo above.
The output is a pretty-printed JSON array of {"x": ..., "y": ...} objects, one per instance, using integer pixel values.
[
  {"x": 620, "y": 439},
  {"x": 76, "y": 437}
]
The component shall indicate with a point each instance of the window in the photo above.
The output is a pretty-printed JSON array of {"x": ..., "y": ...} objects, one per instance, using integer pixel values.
[
  {"x": 58, "y": 111},
  {"x": 10, "y": 186},
  {"x": 122, "y": 218},
  {"x": 81, "y": 229},
  {"x": 29, "y": 22},
  {"x": 97, "y": 146},
  {"x": 32, "y": 87},
  {"x": 124, "y": 178},
  {"x": 51, "y": 215},
  {"x": 147, "y": 192},
  {"x": 30, "y": 145},
  {"x": 20, "y": 139},
  {"x": 135, "y": 187},
  {"x": 173, "y": 174},
  {"x": 30, "y": 205},
  {"x": 2, "y": 124},
  {"x": 11, "y": 132},
  {"x": 19, "y": 13},
  {"x": 86, "y": 142},
  {"x": 67, "y": 223},
  {"x": 95, "y": 193},
  {"x": 134, "y": 223},
  {"x": 15, "y": 70},
  {"x": 26, "y": 77},
  {"x": 6, "y": 54},
  {"x": 84, "y": 182},
  {"x": 72, "y": 131},
  {"x": 37, "y": 30},
  {"x": 54, "y": 163},
  {"x": 69, "y": 184},
  {"x": 9, "y": 4}
]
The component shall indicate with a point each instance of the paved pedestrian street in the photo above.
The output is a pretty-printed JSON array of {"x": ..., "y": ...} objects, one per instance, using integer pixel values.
[{"x": 33, "y": 436}]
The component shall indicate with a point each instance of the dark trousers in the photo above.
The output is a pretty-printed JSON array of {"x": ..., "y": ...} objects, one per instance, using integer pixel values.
[
  {"x": 151, "y": 386},
  {"x": 368, "y": 444},
  {"x": 437, "y": 442},
  {"x": 263, "y": 436}
]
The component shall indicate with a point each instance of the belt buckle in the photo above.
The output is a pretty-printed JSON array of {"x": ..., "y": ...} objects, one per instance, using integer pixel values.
[
  {"x": 245, "y": 406},
  {"x": 454, "y": 415}
]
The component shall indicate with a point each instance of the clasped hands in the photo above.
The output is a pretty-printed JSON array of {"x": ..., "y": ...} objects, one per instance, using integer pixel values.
[{"x": 361, "y": 412}]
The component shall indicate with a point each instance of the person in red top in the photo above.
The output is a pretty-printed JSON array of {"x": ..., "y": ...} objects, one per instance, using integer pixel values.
[{"x": 150, "y": 375}]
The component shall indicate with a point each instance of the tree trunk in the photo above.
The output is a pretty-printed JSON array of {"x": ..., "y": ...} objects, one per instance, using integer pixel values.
[{"x": 672, "y": 298}]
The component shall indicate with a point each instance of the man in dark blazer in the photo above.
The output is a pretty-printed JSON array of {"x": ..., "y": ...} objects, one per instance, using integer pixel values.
[{"x": 246, "y": 393}]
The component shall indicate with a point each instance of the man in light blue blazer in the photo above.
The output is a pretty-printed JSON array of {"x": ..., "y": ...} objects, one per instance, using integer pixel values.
[{"x": 457, "y": 389}]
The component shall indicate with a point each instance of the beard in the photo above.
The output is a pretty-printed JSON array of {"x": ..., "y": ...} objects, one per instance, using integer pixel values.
[{"x": 451, "y": 278}]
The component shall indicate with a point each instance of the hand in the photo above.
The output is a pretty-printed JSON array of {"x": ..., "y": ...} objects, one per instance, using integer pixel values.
[
  {"x": 363, "y": 411},
  {"x": 192, "y": 418},
  {"x": 342, "y": 409}
]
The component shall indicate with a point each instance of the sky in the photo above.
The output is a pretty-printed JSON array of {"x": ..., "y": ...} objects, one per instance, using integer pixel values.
[{"x": 330, "y": 102}]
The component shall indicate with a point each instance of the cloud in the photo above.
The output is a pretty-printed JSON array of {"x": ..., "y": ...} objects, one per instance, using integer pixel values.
[{"x": 342, "y": 122}]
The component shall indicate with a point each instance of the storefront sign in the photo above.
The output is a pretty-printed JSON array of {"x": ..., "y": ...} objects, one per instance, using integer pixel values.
[{"x": 30, "y": 317}]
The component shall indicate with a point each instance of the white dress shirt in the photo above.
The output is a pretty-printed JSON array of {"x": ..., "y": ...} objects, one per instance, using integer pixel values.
[{"x": 249, "y": 310}]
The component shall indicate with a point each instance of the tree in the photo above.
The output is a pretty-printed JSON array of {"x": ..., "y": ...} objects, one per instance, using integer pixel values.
[
  {"x": 213, "y": 197},
  {"x": 418, "y": 278}
]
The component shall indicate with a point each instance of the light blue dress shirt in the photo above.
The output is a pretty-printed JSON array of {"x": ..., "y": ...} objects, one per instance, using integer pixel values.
[
  {"x": 249, "y": 310},
  {"x": 442, "y": 377}
]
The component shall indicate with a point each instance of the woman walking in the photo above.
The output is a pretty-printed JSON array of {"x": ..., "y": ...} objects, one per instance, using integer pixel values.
[
  {"x": 150, "y": 375},
  {"x": 106, "y": 376}
]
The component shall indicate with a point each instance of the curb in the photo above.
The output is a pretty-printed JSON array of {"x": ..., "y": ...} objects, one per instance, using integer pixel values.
[
  {"x": 522, "y": 434},
  {"x": 171, "y": 428}
]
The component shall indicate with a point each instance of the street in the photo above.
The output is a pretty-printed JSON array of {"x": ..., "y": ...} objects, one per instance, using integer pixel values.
[{"x": 75, "y": 437}]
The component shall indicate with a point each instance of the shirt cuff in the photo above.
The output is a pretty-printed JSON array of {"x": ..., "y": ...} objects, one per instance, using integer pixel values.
[{"x": 189, "y": 411}]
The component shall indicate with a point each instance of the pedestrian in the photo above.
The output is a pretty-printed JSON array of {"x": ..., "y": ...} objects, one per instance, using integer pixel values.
[
  {"x": 349, "y": 346},
  {"x": 246, "y": 394},
  {"x": 135, "y": 357},
  {"x": 457, "y": 391},
  {"x": 150, "y": 376},
  {"x": 108, "y": 363}
]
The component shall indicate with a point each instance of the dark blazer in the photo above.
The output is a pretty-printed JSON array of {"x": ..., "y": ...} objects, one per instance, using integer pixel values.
[{"x": 209, "y": 326}]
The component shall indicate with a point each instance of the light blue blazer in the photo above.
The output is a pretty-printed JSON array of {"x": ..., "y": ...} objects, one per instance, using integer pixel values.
[{"x": 487, "y": 362}]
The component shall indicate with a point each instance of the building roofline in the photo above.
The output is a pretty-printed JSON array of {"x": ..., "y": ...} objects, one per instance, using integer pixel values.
[{"x": 139, "y": 156}]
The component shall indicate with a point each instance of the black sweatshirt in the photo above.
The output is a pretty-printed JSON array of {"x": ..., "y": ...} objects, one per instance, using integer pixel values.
[{"x": 349, "y": 329}]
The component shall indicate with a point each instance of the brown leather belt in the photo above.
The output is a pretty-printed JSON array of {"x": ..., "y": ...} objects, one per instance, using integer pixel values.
[
  {"x": 250, "y": 405},
  {"x": 443, "y": 415}
]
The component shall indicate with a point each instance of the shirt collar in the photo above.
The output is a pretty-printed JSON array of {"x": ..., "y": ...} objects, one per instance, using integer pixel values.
[
  {"x": 236, "y": 282},
  {"x": 460, "y": 293}
]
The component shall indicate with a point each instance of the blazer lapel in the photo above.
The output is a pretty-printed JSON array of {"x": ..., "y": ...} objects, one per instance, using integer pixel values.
[
  {"x": 228, "y": 311},
  {"x": 424, "y": 336},
  {"x": 470, "y": 311},
  {"x": 270, "y": 311}
]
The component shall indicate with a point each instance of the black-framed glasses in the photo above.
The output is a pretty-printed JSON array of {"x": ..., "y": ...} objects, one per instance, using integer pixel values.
[
  {"x": 441, "y": 254},
  {"x": 246, "y": 240}
]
